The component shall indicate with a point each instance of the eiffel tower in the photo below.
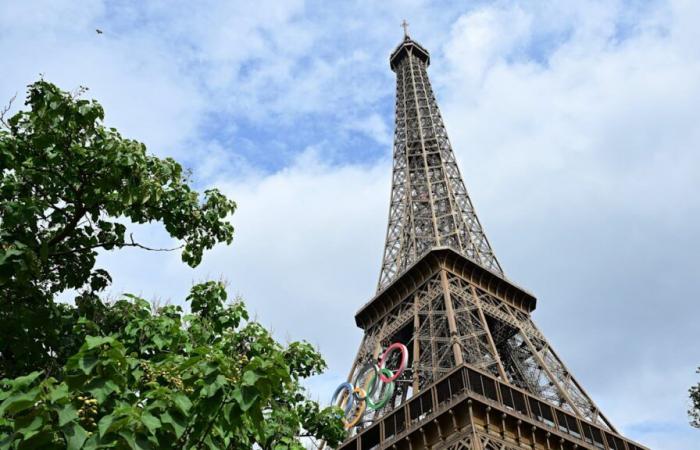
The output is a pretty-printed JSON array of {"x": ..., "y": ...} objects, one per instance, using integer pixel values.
[{"x": 477, "y": 372}]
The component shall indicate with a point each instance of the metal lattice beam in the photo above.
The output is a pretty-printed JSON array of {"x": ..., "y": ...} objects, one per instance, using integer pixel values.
[{"x": 429, "y": 206}]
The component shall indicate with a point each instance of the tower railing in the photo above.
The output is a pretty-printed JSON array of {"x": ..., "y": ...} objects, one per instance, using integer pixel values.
[{"x": 470, "y": 397}]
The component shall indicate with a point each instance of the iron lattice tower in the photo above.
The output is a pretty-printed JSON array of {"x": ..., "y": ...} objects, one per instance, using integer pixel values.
[
  {"x": 480, "y": 374},
  {"x": 430, "y": 206}
]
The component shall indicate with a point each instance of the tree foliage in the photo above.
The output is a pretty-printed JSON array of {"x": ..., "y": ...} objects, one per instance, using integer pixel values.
[
  {"x": 123, "y": 375},
  {"x": 67, "y": 184},
  {"x": 140, "y": 380},
  {"x": 694, "y": 411}
]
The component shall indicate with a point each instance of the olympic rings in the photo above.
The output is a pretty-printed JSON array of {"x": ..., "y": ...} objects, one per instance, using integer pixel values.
[
  {"x": 387, "y": 395},
  {"x": 361, "y": 376},
  {"x": 349, "y": 423},
  {"x": 359, "y": 396},
  {"x": 344, "y": 387},
  {"x": 404, "y": 360}
]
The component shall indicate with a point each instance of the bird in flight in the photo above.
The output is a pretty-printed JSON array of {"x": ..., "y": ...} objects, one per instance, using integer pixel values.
[{"x": 98, "y": 31}]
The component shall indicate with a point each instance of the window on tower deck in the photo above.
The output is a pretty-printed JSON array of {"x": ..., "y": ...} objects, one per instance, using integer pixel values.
[
  {"x": 568, "y": 424},
  {"x": 421, "y": 406},
  {"x": 395, "y": 424},
  {"x": 450, "y": 387},
  {"x": 592, "y": 435},
  {"x": 542, "y": 411},
  {"x": 513, "y": 399},
  {"x": 371, "y": 438},
  {"x": 482, "y": 384},
  {"x": 614, "y": 442}
]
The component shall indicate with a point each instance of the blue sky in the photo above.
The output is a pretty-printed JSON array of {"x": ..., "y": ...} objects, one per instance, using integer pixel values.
[{"x": 574, "y": 123}]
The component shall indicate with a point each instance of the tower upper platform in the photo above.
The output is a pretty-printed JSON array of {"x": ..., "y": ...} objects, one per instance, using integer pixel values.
[{"x": 406, "y": 47}]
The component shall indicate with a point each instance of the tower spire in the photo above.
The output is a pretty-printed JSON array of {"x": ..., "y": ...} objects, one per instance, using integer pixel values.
[
  {"x": 404, "y": 25},
  {"x": 429, "y": 205}
]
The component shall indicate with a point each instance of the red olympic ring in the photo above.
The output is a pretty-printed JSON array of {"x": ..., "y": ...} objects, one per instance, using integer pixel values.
[{"x": 404, "y": 360}]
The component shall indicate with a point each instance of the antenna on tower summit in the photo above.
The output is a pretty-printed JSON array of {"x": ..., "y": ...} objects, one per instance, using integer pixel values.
[{"x": 404, "y": 25}]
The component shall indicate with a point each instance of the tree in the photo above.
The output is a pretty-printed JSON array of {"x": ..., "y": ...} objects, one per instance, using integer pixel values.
[
  {"x": 167, "y": 380},
  {"x": 67, "y": 184},
  {"x": 694, "y": 411},
  {"x": 120, "y": 375}
]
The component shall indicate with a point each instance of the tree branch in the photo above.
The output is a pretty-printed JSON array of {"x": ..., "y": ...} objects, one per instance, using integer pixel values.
[
  {"x": 80, "y": 211},
  {"x": 6, "y": 109},
  {"x": 136, "y": 244},
  {"x": 120, "y": 245}
]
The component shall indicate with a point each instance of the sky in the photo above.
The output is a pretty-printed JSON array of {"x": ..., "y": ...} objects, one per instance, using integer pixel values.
[{"x": 575, "y": 125}]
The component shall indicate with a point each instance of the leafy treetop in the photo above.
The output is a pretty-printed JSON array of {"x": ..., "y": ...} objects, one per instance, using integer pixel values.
[
  {"x": 67, "y": 184},
  {"x": 694, "y": 411},
  {"x": 207, "y": 380}
]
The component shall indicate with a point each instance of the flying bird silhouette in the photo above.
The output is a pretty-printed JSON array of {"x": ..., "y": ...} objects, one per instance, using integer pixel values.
[{"x": 98, "y": 31}]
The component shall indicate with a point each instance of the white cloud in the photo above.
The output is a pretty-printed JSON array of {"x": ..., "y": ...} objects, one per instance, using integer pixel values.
[
  {"x": 479, "y": 40},
  {"x": 374, "y": 127}
]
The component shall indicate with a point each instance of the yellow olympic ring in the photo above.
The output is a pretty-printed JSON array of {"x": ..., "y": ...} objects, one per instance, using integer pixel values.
[{"x": 360, "y": 409}]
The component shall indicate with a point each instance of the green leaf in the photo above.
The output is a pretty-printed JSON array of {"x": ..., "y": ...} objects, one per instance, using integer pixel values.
[
  {"x": 245, "y": 396},
  {"x": 250, "y": 377},
  {"x": 97, "y": 341},
  {"x": 104, "y": 424},
  {"x": 87, "y": 362},
  {"x": 25, "y": 380},
  {"x": 150, "y": 422},
  {"x": 101, "y": 389},
  {"x": 129, "y": 438},
  {"x": 38, "y": 439},
  {"x": 75, "y": 436},
  {"x": 29, "y": 425},
  {"x": 59, "y": 393},
  {"x": 160, "y": 343},
  {"x": 19, "y": 402},
  {"x": 67, "y": 414},
  {"x": 182, "y": 402},
  {"x": 142, "y": 442},
  {"x": 177, "y": 422}
]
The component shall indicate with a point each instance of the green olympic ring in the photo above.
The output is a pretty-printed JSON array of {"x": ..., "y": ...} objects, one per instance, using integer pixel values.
[{"x": 387, "y": 395}]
